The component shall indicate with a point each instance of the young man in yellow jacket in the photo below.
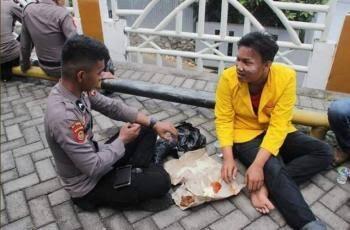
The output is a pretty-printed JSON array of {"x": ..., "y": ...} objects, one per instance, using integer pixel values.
[{"x": 254, "y": 108}]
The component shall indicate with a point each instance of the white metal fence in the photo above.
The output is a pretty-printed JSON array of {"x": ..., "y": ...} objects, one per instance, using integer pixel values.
[{"x": 212, "y": 41}]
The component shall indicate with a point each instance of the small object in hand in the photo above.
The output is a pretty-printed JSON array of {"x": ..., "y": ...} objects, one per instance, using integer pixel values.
[
  {"x": 186, "y": 201},
  {"x": 343, "y": 174},
  {"x": 218, "y": 149},
  {"x": 216, "y": 186}
]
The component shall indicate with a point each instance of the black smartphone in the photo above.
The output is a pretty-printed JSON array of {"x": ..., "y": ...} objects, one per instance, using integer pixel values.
[{"x": 122, "y": 176}]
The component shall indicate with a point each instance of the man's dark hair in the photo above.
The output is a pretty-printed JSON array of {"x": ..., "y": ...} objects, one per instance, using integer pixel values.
[
  {"x": 80, "y": 52},
  {"x": 261, "y": 42}
]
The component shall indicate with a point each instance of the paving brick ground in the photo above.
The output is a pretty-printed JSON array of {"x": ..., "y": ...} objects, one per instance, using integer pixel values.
[{"x": 33, "y": 198}]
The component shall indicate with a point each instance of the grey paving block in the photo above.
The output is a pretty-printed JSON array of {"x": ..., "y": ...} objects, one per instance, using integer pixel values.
[
  {"x": 33, "y": 122},
  {"x": 167, "y": 79},
  {"x": 156, "y": 78},
  {"x": 243, "y": 204},
  {"x": 146, "y": 76},
  {"x": 210, "y": 87},
  {"x": 7, "y": 162},
  {"x": 10, "y": 145},
  {"x": 24, "y": 165},
  {"x": 2, "y": 201},
  {"x": 188, "y": 83},
  {"x": 45, "y": 169},
  {"x": 335, "y": 198},
  {"x": 197, "y": 120},
  {"x": 169, "y": 107},
  {"x": 3, "y": 218},
  {"x": 65, "y": 217},
  {"x": 234, "y": 220},
  {"x": 104, "y": 122},
  {"x": 311, "y": 193},
  {"x": 209, "y": 126},
  {"x": 10, "y": 98},
  {"x": 223, "y": 206},
  {"x": 17, "y": 120},
  {"x": 328, "y": 216},
  {"x": 200, "y": 218},
  {"x": 43, "y": 188},
  {"x": 20, "y": 183},
  {"x": 20, "y": 110},
  {"x": 52, "y": 226},
  {"x": 145, "y": 224},
  {"x": 277, "y": 217},
  {"x": 28, "y": 149},
  {"x": 116, "y": 222},
  {"x": 105, "y": 212},
  {"x": 8, "y": 175},
  {"x": 31, "y": 135},
  {"x": 7, "y": 116},
  {"x": 263, "y": 223},
  {"x": 177, "y": 118},
  {"x": 58, "y": 197},
  {"x": 174, "y": 226},
  {"x": 16, "y": 206},
  {"x": 177, "y": 81},
  {"x": 41, "y": 211},
  {"x": 41, "y": 154},
  {"x": 161, "y": 115},
  {"x": 210, "y": 138},
  {"x": 127, "y": 74},
  {"x": 133, "y": 102},
  {"x": 136, "y": 76},
  {"x": 135, "y": 215},
  {"x": 90, "y": 220},
  {"x": 344, "y": 213},
  {"x": 24, "y": 223},
  {"x": 13, "y": 132},
  {"x": 322, "y": 182},
  {"x": 199, "y": 85},
  {"x": 3, "y": 139},
  {"x": 169, "y": 216}
]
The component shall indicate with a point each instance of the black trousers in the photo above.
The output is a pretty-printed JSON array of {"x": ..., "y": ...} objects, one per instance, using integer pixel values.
[
  {"x": 149, "y": 181},
  {"x": 6, "y": 69},
  {"x": 300, "y": 158}
]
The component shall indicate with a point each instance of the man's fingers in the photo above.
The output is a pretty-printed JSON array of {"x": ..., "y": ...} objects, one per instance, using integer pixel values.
[{"x": 234, "y": 172}]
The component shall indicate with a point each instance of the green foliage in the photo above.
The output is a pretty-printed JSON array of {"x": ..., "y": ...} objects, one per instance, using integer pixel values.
[{"x": 259, "y": 9}]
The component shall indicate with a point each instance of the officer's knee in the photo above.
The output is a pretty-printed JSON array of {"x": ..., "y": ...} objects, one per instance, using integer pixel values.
[
  {"x": 161, "y": 180},
  {"x": 338, "y": 110}
]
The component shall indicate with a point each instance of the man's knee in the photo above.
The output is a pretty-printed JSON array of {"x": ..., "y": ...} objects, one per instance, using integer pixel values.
[
  {"x": 158, "y": 181},
  {"x": 338, "y": 110},
  {"x": 325, "y": 152},
  {"x": 272, "y": 170}
]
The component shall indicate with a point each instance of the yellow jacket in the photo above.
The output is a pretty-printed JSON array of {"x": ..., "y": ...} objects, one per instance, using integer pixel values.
[{"x": 235, "y": 119}]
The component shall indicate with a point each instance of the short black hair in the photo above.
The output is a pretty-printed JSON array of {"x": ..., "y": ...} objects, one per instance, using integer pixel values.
[
  {"x": 80, "y": 52},
  {"x": 262, "y": 42}
]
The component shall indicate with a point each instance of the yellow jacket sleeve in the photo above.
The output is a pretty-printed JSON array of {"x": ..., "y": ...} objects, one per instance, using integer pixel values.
[
  {"x": 224, "y": 112},
  {"x": 281, "y": 117}
]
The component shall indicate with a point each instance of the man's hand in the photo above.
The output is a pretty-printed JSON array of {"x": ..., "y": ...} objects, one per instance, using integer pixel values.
[
  {"x": 129, "y": 132},
  {"x": 254, "y": 177},
  {"x": 163, "y": 128},
  {"x": 228, "y": 170}
]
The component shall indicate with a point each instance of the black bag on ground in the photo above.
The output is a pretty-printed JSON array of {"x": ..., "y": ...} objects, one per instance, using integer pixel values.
[{"x": 189, "y": 138}]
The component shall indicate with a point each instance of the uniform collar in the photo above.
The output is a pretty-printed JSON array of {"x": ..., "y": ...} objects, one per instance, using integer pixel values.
[{"x": 66, "y": 93}]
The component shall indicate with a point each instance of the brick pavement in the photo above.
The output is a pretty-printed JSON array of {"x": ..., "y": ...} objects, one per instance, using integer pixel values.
[{"x": 32, "y": 197}]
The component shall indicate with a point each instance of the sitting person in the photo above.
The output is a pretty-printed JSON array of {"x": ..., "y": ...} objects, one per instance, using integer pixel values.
[
  {"x": 87, "y": 168},
  {"x": 339, "y": 121},
  {"x": 10, "y": 47},
  {"x": 254, "y": 108},
  {"x": 47, "y": 24}
]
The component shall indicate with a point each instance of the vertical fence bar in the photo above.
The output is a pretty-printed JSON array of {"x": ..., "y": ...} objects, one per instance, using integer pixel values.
[
  {"x": 114, "y": 6},
  {"x": 179, "y": 22},
  {"x": 139, "y": 58},
  {"x": 221, "y": 67},
  {"x": 247, "y": 25},
  {"x": 200, "y": 64},
  {"x": 179, "y": 62},
  {"x": 201, "y": 18},
  {"x": 159, "y": 60},
  {"x": 223, "y": 22}
]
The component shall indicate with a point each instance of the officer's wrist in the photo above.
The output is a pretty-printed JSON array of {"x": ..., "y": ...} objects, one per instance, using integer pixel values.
[{"x": 152, "y": 122}]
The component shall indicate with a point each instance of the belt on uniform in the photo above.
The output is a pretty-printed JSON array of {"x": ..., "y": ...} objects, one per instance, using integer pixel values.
[{"x": 50, "y": 63}]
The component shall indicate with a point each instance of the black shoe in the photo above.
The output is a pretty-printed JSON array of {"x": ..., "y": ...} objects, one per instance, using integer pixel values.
[
  {"x": 85, "y": 205},
  {"x": 157, "y": 204}
]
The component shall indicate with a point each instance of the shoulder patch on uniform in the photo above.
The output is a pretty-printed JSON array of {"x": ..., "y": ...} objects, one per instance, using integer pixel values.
[
  {"x": 77, "y": 129},
  {"x": 92, "y": 93}
]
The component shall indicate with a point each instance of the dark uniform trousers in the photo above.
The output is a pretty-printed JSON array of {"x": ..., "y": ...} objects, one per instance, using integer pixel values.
[
  {"x": 149, "y": 181},
  {"x": 300, "y": 157}
]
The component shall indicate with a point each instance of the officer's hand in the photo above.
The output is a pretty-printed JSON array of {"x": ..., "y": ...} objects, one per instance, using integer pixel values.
[
  {"x": 163, "y": 128},
  {"x": 129, "y": 132}
]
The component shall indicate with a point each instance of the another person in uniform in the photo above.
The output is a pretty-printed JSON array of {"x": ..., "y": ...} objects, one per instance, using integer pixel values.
[
  {"x": 254, "y": 109},
  {"x": 10, "y": 47},
  {"x": 86, "y": 167},
  {"x": 47, "y": 24},
  {"x": 339, "y": 120}
]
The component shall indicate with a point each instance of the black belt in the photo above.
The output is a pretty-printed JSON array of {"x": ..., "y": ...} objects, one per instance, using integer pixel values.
[{"x": 50, "y": 63}]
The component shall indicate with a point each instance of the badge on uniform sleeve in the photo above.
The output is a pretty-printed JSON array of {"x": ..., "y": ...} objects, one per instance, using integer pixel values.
[{"x": 78, "y": 132}]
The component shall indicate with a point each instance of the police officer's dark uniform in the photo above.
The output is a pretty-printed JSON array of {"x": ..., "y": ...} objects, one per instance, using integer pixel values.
[{"x": 85, "y": 166}]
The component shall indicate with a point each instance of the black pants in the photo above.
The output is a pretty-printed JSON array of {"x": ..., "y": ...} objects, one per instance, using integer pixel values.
[
  {"x": 6, "y": 69},
  {"x": 300, "y": 158},
  {"x": 150, "y": 181}
]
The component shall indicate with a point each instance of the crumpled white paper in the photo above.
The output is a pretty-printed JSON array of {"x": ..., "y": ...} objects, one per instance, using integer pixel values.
[{"x": 200, "y": 177}]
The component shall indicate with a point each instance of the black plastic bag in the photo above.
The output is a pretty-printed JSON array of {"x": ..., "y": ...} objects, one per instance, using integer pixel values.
[{"x": 189, "y": 138}]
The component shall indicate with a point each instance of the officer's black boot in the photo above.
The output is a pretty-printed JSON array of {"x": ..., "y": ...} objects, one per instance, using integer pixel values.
[
  {"x": 163, "y": 149},
  {"x": 85, "y": 205}
]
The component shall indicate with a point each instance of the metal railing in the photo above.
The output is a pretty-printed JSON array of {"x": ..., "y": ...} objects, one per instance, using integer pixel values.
[{"x": 211, "y": 41}]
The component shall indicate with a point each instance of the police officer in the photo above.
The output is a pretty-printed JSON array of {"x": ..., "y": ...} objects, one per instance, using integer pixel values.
[
  {"x": 9, "y": 47},
  {"x": 86, "y": 167},
  {"x": 47, "y": 24}
]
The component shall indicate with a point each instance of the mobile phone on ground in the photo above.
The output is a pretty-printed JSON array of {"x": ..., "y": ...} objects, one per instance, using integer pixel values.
[{"x": 122, "y": 176}]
